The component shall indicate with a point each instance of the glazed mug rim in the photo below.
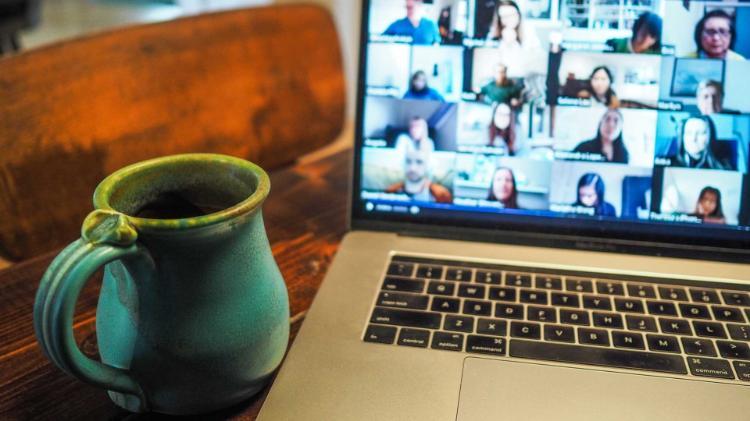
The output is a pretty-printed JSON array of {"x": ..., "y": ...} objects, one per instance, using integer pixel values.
[{"x": 111, "y": 183}]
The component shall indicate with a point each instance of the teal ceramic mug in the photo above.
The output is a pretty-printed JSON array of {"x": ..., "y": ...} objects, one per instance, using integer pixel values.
[{"x": 193, "y": 313}]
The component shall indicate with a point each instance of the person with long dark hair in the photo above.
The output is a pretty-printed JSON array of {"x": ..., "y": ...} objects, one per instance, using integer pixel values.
[
  {"x": 608, "y": 141},
  {"x": 708, "y": 208},
  {"x": 715, "y": 36},
  {"x": 502, "y": 131},
  {"x": 646, "y": 38},
  {"x": 506, "y": 24},
  {"x": 503, "y": 188},
  {"x": 420, "y": 89},
  {"x": 590, "y": 194},
  {"x": 600, "y": 89},
  {"x": 698, "y": 147}
]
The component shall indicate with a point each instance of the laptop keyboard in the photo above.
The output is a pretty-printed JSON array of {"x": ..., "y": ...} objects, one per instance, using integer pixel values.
[{"x": 681, "y": 328}]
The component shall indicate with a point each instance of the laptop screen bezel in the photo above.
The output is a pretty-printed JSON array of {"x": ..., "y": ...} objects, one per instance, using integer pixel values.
[{"x": 619, "y": 236}]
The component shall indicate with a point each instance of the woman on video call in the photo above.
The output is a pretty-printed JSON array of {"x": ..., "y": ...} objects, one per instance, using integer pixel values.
[
  {"x": 646, "y": 37},
  {"x": 503, "y": 188},
  {"x": 608, "y": 141},
  {"x": 600, "y": 88},
  {"x": 421, "y": 90},
  {"x": 517, "y": 47},
  {"x": 708, "y": 208},
  {"x": 591, "y": 195},
  {"x": 502, "y": 133},
  {"x": 698, "y": 146},
  {"x": 715, "y": 36}
]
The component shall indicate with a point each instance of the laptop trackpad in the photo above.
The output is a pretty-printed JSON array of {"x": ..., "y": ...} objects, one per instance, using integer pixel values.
[{"x": 505, "y": 390}]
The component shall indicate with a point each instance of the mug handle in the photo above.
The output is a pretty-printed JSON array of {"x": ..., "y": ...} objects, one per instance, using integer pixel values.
[{"x": 106, "y": 236}]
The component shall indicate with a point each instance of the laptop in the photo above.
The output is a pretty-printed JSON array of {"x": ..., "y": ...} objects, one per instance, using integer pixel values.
[{"x": 550, "y": 218}]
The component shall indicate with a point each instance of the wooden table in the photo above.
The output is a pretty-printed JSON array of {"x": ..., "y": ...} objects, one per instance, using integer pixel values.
[{"x": 305, "y": 217}]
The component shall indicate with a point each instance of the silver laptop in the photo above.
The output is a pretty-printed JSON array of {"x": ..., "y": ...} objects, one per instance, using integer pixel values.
[{"x": 550, "y": 218}]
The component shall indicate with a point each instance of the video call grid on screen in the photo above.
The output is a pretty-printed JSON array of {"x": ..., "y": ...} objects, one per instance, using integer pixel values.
[{"x": 602, "y": 110}]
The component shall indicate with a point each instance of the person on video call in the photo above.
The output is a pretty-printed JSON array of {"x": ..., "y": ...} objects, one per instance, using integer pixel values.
[
  {"x": 709, "y": 97},
  {"x": 417, "y": 184},
  {"x": 516, "y": 47},
  {"x": 708, "y": 208},
  {"x": 503, "y": 188},
  {"x": 600, "y": 88},
  {"x": 646, "y": 38},
  {"x": 420, "y": 89},
  {"x": 608, "y": 141},
  {"x": 698, "y": 146},
  {"x": 414, "y": 25},
  {"x": 418, "y": 137},
  {"x": 502, "y": 89},
  {"x": 502, "y": 131},
  {"x": 591, "y": 195},
  {"x": 715, "y": 36}
]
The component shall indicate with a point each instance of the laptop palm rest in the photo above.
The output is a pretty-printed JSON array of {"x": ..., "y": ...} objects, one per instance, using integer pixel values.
[{"x": 505, "y": 390}]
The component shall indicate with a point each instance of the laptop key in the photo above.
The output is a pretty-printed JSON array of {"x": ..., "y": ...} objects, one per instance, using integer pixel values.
[
  {"x": 595, "y": 302},
  {"x": 399, "y": 300},
  {"x": 380, "y": 334},
  {"x": 401, "y": 269},
  {"x": 743, "y": 370},
  {"x": 709, "y": 367},
  {"x": 502, "y": 294},
  {"x": 509, "y": 311},
  {"x": 609, "y": 320},
  {"x": 661, "y": 308},
  {"x": 593, "y": 336},
  {"x": 541, "y": 314},
  {"x": 739, "y": 332},
  {"x": 579, "y": 285},
  {"x": 459, "y": 274},
  {"x": 391, "y": 316},
  {"x": 556, "y": 333},
  {"x": 629, "y": 305},
  {"x": 430, "y": 272},
  {"x": 628, "y": 340},
  {"x": 704, "y": 296},
  {"x": 598, "y": 356},
  {"x": 733, "y": 350},
  {"x": 709, "y": 330},
  {"x": 548, "y": 282},
  {"x": 445, "y": 305},
  {"x": 485, "y": 345},
  {"x": 403, "y": 285},
  {"x": 525, "y": 330},
  {"x": 673, "y": 293},
  {"x": 441, "y": 288},
  {"x": 477, "y": 308},
  {"x": 641, "y": 291},
  {"x": 694, "y": 346},
  {"x": 663, "y": 343},
  {"x": 515, "y": 279},
  {"x": 447, "y": 341},
  {"x": 728, "y": 314},
  {"x": 610, "y": 288},
  {"x": 417, "y": 338},
  {"x": 492, "y": 327},
  {"x": 675, "y": 326},
  {"x": 459, "y": 324},
  {"x": 641, "y": 323},
  {"x": 533, "y": 297},
  {"x": 471, "y": 291},
  {"x": 736, "y": 298},
  {"x": 694, "y": 311},
  {"x": 574, "y": 317},
  {"x": 488, "y": 277},
  {"x": 565, "y": 300}
]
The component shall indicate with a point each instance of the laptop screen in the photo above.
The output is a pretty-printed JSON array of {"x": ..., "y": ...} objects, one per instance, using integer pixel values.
[{"x": 620, "y": 119}]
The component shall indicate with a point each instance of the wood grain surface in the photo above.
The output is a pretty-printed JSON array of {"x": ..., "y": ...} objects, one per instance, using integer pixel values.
[
  {"x": 265, "y": 84},
  {"x": 305, "y": 218}
]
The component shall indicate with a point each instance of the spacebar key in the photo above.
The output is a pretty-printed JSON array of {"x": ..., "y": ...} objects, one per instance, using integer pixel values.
[{"x": 597, "y": 356}]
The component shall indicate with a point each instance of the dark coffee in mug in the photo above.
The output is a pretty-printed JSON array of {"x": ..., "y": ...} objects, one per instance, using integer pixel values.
[{"x": 178, "y": 205}]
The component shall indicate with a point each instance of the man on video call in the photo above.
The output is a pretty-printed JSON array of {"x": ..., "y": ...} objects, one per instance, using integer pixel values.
[
  {"x": 420, "y": 29},
  {"x": 417, "y": 184}
]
